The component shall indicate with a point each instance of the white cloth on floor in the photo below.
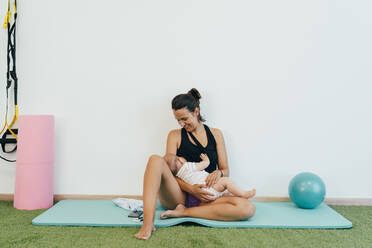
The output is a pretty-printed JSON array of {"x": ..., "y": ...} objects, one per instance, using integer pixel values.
[{"x": 129, "y": 204}]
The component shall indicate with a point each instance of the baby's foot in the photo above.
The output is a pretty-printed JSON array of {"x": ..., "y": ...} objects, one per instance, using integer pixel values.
[
  {"x": 145, "y": 232},
  {"x": 250, "y": 194},
  {"x": 177, "y": 212}
]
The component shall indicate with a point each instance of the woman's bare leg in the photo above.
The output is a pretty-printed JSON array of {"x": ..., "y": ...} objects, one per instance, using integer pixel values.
[
  {"x": 157, "y": 179},
  {"x": 224, "y": 208}
]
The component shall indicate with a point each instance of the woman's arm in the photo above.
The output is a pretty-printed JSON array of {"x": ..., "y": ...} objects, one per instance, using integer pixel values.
[
  {"x": 223, "y": 167},
  {"x": 221, "y": 151},
  {"x": 196, "y": 190},
  {"x": 185, "y": 186},
  {"x": 173, "y": 142}
]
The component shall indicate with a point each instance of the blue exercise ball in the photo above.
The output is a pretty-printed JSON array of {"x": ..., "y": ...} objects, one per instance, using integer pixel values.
[{"x": 307, "y": 190}]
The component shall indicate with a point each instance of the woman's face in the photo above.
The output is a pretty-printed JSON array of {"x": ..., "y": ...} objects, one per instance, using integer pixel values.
[{"x": 188, "y": 120}]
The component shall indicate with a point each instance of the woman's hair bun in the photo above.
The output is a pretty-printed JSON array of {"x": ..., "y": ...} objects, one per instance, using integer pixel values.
[{"x": 195, "y": 93}]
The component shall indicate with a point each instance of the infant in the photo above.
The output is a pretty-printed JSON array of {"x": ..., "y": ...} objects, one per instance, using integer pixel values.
[{"x": 194, "y": 173}]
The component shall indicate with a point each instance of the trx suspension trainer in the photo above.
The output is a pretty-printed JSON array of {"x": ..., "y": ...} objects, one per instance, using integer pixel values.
[{"x": 8, "y": 135}]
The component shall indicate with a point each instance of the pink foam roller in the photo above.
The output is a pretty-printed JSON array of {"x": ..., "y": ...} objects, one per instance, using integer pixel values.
[{"x": 35, "y": 158}]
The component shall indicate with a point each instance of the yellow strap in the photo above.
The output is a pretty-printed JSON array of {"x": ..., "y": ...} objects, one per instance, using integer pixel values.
[
  {"x": 6, "y": 119},
  {"x": 16, "y": 112},
  {"x": 16, "y": 116},
  {"x": 10, "y": 130},
  {"x": 8, "y": 14},
  {"x": 7, "y": 19},
  {"x": 8, "y": 126},
  {"x": 3, "y": 129}
]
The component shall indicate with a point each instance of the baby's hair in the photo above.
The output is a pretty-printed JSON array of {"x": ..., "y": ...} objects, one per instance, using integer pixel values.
[{"x": 191, "y": 101}]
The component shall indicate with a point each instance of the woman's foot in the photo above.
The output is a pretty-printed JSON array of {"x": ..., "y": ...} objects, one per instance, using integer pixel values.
[
  {"x": 177, "y": 212},
  {"x": 145, "y": 232},
  {"x": 250, "y": 194}
]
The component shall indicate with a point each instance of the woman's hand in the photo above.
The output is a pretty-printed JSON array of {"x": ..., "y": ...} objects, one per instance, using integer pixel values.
[
  {"x": 198, "y": 192},
  {"x": 212, "y": 178}
]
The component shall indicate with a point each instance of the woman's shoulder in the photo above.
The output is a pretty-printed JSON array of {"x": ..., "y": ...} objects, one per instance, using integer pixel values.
[
  {"x": 175, "y": 134},
  {"x": 175, "y": 131},
  {"x": 216, "y": 132},
  {"x": 173, "y": 140}
]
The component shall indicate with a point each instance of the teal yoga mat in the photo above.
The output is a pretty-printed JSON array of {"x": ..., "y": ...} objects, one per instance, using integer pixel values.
[{"x": 268, "y": 215}]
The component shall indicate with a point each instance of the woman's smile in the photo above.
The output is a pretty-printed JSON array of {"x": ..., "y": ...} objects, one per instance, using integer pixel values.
[{"x": 187, "y": 127}]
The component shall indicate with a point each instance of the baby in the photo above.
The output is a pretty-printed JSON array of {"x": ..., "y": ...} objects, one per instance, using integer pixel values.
[{"x": 194, "y": 173}]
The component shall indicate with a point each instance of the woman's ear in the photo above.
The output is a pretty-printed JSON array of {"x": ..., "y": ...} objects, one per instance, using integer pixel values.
[{"x": 196, "y": 112}]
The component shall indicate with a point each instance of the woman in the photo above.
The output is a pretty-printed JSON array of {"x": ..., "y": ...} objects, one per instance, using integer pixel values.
[{"x": 189, "y": 142}]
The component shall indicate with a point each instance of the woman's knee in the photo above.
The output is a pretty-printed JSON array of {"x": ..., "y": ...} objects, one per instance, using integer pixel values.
[
  {"x": 155, "y": 160},
  {"x": 158, "y": 163},
  {"x": 245, "y": 208},
  {"x": 251, "y": 210},
  {"x": 155, "y": 157}
]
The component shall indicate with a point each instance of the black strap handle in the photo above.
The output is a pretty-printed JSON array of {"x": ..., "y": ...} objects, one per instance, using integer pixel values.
[{"x": 4, "y": 141}]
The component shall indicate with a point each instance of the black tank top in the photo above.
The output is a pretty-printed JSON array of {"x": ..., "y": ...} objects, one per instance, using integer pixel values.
[{"x": 192, "y": 152}]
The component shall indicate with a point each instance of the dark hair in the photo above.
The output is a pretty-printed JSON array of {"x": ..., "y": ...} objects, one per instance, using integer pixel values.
[{"x": 189, "y": 101}]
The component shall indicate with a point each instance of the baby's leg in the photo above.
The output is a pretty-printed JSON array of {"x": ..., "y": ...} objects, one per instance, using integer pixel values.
[{"x": 226, "y": 183}]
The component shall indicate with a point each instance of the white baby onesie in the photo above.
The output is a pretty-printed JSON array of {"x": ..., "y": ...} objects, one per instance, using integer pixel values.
[{"x": 191, "y": 175}]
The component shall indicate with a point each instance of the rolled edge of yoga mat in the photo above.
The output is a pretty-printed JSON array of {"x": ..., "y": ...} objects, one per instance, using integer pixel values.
[{"x": 35, "y": 159}]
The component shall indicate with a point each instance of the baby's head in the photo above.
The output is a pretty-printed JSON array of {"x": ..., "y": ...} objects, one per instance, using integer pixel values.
[{"x": 174, "y": 162}]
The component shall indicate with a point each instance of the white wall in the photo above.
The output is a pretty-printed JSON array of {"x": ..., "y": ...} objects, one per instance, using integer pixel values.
[{"x": 288, "y": 83}]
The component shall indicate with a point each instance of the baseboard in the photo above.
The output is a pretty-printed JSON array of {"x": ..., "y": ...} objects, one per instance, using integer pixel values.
[
  {"x": 329, "y": 201},
  {"x": 270, "y": 199},
  {"x": 6, "y": 197},
  {"x": 349, "y": 201}
]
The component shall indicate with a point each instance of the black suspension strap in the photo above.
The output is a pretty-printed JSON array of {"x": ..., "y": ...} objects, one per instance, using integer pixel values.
[{"x": 12, "y": 80}]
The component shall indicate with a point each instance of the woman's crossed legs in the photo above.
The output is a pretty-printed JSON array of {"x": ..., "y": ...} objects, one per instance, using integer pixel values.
[{"x": 158, "y": 179}]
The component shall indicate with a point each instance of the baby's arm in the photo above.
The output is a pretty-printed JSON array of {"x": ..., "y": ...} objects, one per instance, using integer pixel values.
[{"x": 204, "y": 163}]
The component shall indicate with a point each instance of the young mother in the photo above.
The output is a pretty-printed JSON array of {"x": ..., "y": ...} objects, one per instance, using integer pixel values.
[{"x": 189, "y": 142}]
